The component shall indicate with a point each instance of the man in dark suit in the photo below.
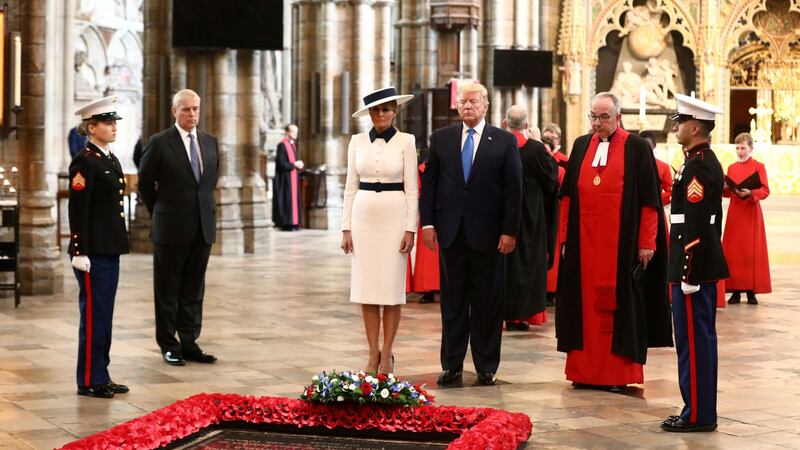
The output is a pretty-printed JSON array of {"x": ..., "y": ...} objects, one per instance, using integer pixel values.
[
  {"x": 470, "y": 206},
  {"x": 177, "y": 177}
]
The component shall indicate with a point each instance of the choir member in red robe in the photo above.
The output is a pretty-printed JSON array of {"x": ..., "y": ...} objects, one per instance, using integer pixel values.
[
  {"x": 522, "y": 273},
  {"x": 426, "y": 266},
  {"x": 745, "y": 239},
  {"x": 286, "y": 208},
  {"x": 612, "y": 298},
  {"x": 664, "y": 171}
]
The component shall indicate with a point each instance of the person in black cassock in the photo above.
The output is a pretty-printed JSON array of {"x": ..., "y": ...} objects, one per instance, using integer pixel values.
[
  {"x": 524, "y": 270},
  {"x": 286, "y": 207}
]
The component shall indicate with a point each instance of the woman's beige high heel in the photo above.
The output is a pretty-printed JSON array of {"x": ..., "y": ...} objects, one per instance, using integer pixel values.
[{"x": 374, "y": 369}]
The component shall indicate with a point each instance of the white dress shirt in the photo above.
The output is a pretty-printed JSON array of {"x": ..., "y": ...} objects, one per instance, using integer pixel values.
[
  {"x": 185, "y": 138},
  {"x": 476, "y": 137}
]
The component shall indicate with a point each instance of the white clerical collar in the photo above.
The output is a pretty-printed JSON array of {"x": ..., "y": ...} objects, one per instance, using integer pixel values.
[
  {"x": 185, "y": 133},
  {"x": 601, "y": 156},
  {"x": 478, "y": 128}
]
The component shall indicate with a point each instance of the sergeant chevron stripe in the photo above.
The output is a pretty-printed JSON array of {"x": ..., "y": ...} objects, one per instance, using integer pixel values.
[{"x": 694, "y": 191}]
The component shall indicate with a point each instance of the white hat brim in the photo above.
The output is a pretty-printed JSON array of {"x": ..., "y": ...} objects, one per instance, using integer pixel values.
[{"x": 400, "y": 99}]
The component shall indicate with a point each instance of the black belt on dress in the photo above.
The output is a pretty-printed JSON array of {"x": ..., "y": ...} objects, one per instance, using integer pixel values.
[{"x": 378, "y": 187}]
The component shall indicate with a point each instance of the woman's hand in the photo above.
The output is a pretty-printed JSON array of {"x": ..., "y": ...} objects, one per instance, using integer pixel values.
[
  {"x": 347, "y": 242},
  {"x": 407, "y": 243},
  {"x": 743, "y": 192}
]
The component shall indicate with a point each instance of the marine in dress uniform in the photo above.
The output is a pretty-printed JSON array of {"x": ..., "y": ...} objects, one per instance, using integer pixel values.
[
  {"x": 97, "y": 237},
  {"x": 696, "y": 262}
]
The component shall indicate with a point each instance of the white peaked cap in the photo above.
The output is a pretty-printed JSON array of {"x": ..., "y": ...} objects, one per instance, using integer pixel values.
[
  {"x": 102, "y": 109},
  {"x": 693, "y": 108}
]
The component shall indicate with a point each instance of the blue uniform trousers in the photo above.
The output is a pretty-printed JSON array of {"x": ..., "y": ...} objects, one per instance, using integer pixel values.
[
  {"x": 98, "y": 288},
  {"x": 695, "y": 318}
]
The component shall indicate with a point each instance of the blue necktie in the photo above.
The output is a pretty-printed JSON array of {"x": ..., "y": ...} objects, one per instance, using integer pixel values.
[
  {"x": 466, "y": 154},
  {"x": 195, "y": 158}
]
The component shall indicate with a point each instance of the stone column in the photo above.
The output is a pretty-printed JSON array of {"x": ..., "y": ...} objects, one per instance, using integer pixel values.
[
  {"x": 383, "y": 29},
  {"x": 366, "y": 44},
  {"x": 230, "y": 236},
  {"x": 254, "y": 193},
  {"x": 40, "y": 265}
]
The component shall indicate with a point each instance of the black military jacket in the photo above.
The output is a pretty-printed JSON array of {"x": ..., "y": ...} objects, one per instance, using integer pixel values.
[
  {"x": 695, "y": 254},
  {"x": 96, "y": 210}
]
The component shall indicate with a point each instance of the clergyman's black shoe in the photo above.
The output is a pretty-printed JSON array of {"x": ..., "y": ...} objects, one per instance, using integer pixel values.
[
  {"x": 117, "y": 388},
  {"x": 751, "y": 298},
  {"x": 427, "y": 298},
  {"x": 680, "y": 426},
  {"x": 487, "y": 379},
  {"x": 174, "y": 359},
  {"x": 735, "y": 299},
  {"x": 449, "y": 378},
  {"x": 517, "y": 326},
  {"x": 99, "y": 391},
  {"x": 201, "y": 357}
]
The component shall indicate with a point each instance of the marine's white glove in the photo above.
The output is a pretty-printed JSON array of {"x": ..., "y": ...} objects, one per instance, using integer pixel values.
[
  {"x": 299, "y": 164},
  {"x": 81, "y": 263},
  {"x": 689, "y": 288}
]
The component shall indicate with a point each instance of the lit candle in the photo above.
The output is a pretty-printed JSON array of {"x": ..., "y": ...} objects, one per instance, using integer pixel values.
[
  {"x": 17, "y": 71},
  {"x": 642, "y": 104}
]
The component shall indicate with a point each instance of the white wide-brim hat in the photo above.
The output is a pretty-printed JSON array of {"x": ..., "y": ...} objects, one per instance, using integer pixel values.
[{"x": 380, "y": 96}]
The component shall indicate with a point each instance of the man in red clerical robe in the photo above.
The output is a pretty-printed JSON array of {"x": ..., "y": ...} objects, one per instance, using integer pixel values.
[
  {"x": 551, "y": 138},
  {"x": 426, "y": 265},
  {"x": 612, "y": 298},
  {"x": 745, "y": 239}
]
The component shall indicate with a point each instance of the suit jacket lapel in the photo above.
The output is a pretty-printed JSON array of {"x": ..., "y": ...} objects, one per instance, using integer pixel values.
[
  {"x": 205, "y": 150},
  {"x": 484, "y": 147},
  {"x": 180, "y": 151}
]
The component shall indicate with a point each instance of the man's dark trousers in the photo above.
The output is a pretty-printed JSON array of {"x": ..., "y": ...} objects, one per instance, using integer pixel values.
[
  {"x": 179, "y": 280},
  {"x": 695, "y": 316},
  {"x": 470, "y": 311}
]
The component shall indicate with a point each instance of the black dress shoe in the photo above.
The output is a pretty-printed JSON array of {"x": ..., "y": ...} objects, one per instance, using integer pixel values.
[
  {"x": 117, "y": 388},
  {"x": 100, "y": 391},
  {"x": 735, "y": 299},
  {"x": 751, "y": 298},
  {"x": 551, "y": 299},
  {"x": 174, "y": 359},
  {"x": 680, "y": 426},
  {"x": 487, "y": 379},
  {"x": 427, "y": 298},
  {"x": 449, "y": 378},
  {"x": 617, "y": 388},
  {"x": 517, "y": 326},
  {"x": 201, "y": 357}
]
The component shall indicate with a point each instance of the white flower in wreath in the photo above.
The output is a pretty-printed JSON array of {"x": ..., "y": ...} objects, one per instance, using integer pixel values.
[
  {"x": 384, "y": 393},
  {"x": 354, "y": 377},
  {"x": 422, "y": 399},
  {"x": 369, "y": 379},
  {"x": 315, "y": 378},
  {"x": 391, "y": 377},
  {"x": 340, "y": 399}
]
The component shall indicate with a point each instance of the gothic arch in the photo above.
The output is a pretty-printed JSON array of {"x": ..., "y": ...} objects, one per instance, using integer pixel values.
[
  {"x": 740, "y": 21},
  {"x": 90, "y": 63},
  {"x": 609, "y": 17}
]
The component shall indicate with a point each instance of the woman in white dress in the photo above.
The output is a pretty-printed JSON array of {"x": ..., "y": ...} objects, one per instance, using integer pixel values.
[{"x": 379, "y": 221}]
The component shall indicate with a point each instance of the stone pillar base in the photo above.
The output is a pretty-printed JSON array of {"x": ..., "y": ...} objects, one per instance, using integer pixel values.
[
  {"x": 40, "y": 264},
  {"x": 139, "y": 231},
  {"x": 254, "y": 217},
  {"x": 230, "y": 236}
]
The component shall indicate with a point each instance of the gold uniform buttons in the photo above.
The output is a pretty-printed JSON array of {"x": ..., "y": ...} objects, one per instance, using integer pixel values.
[
  {"x": 122, "y": 214},
  {"x": 120, "y": 192},
  {"x": 77, "y": 252},
  {"x": 121, "y": 180},
  {"x": 120, "y": 203}
]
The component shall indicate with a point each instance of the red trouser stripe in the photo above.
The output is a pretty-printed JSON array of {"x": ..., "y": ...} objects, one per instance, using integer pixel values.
[
  {"x": 692, "y": 359},
  {"x": 87, "y": 281}
]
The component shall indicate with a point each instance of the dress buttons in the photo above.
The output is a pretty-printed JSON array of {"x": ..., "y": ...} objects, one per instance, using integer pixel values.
[
  {"x": 120, "y": 192},
  {"x": 121, "y": 180},
  {"x": 77, "y": 253},
  {"x": 684, "y": 278},
  {"x": 122, "y": 214},
  {"x": 120, "y": 203},
  {"x": 687, "y": 256},
  {"x": 685, "y": 267},
  {"x": 679, "y": 236}
]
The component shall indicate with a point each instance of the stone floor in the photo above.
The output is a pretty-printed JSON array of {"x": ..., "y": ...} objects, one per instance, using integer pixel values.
[{"x": 276, "y": 320}]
